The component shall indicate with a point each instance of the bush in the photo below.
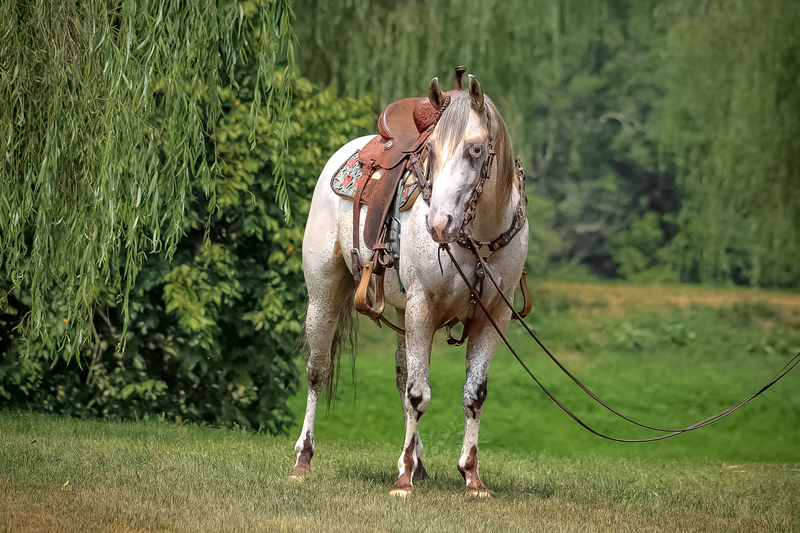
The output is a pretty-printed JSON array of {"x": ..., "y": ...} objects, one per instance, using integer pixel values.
[{"x": 213, "y": 330}]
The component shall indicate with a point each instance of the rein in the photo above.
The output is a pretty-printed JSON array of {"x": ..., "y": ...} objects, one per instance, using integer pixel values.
[
  {"x": 670, "y": 432},
  {"x": 482, "y": 250}
]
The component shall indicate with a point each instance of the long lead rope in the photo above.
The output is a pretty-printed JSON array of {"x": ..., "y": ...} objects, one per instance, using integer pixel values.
[{"x": 670, "y": 432}]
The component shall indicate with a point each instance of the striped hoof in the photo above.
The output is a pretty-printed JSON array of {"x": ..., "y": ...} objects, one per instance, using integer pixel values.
[
  {"x": 300, "y": 471},
  {"x": 482, "y": 492}
]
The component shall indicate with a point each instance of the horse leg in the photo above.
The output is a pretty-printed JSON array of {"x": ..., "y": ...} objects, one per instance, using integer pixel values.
[
  {"x": 483, "y": 341},
  {"x": 416, "y": 391},
  {"x": 329, "y": 296},
  {"x": 401, "y": 370}
]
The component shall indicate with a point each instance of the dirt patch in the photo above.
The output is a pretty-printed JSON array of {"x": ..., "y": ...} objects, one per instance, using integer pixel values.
[
  {"x": 620, "y": 299},
  {"x": 43, "y": 513}
]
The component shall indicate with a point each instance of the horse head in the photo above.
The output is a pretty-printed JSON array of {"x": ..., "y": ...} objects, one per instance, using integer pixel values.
[{"x": 458, "y": 150}]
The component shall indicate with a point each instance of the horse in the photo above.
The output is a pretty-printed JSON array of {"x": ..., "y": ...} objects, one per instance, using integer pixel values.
[{"x": 469, "y": 131}]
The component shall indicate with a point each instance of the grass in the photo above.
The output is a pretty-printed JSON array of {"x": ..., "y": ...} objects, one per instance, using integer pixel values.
[
  {"x": 662, "y": 355},
  {"x": 669, "y": 356},
  {"x": 84, "y": 476}
]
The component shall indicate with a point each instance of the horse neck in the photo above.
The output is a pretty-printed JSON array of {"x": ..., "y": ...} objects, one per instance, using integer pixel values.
[{"x": 495, "y": 208}]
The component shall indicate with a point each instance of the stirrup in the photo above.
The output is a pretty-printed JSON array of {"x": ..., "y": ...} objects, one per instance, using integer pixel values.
[{"x": 362, "y": 297}]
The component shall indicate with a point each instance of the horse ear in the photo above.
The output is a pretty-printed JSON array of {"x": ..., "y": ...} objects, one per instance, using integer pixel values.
[
  {"x": 475, "y": 94},
  {"x": 435, "y": 95}
]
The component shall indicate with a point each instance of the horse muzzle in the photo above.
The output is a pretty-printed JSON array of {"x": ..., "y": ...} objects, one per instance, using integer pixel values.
[{"x": 442, "y": 227}]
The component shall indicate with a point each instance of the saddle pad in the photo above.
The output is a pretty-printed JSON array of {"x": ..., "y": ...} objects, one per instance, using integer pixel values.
[
  {"x": 345, "y": 180},
  {"x": 409, "y": 190}
]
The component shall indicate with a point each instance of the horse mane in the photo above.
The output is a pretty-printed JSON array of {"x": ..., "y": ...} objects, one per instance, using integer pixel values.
[{"x": 453, "y": 123}]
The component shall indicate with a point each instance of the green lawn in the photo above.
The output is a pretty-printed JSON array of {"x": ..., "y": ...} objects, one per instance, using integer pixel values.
[
  {"x": 665, "y": 356},
  {"x": 667, "y": 368},
  {"x": 84, "y": 476}
]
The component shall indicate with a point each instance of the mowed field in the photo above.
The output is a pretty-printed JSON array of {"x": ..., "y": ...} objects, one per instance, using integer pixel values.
[
  {"x": 664, "y": 355},
  {"x": 87, "y": 476}
]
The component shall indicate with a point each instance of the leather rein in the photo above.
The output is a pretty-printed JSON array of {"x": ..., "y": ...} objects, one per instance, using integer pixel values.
[
  {"x": 669, "y": 432},
  {"x": 482, "y": 250}
]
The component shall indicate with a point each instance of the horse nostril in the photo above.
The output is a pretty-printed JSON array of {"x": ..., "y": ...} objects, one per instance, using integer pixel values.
[
  {"x": 449, "y": 224},
  {"x": 440, "y": 225}
]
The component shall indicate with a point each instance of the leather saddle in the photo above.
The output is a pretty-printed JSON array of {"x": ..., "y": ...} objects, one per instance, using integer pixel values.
[{"x": 397, "y": 135}]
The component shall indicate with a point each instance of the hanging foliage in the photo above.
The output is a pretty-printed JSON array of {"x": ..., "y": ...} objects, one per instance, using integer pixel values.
[
  {"x": 394, "y": 49},
  {"x": 213, "y": 332},
  {"x": 106, "y": 108}
]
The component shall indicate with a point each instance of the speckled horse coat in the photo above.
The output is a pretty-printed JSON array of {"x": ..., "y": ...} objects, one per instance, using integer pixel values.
[{"x": 458, "y": 147}]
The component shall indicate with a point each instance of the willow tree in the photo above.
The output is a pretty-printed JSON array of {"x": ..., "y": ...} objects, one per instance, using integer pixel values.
[
  {"x": 732, "y": 117},
  {"x": 393, "y": 49},
  {"x": 106, "y": 111}
]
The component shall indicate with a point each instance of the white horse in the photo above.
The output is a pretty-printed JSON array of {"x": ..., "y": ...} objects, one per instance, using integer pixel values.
[{"x": 457, "y": 149}]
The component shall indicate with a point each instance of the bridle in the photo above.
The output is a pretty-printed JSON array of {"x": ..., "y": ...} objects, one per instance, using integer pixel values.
[{"x": 481, "y": 249}]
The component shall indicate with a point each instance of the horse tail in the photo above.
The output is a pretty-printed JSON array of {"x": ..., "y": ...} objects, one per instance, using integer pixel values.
[{"x": 344, "y": 341}]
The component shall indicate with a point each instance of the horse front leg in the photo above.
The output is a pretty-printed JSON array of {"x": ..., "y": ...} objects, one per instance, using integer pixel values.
[
  {"x": 483, "y": 341},
  {"x": 416, "y": 392},
  {"x": 401, "y": 374}
]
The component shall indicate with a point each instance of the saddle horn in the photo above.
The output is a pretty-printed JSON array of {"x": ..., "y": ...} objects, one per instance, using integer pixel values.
[
  {"x": 435, "y": 95},
  {"x": 457, "y": 81},
  {"x": 476, "y": 94}
]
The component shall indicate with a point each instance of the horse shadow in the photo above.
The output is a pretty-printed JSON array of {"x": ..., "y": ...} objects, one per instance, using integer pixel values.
[{"x": 507, "y": 489}]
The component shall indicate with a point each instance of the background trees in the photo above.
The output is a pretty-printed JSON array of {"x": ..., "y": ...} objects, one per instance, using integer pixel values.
[
  {"x": 731, "y": 117},
  {"x": 214, "y": 331},
  {"x": 106, "y": 108},
  {"x": 663, "y": 132}
]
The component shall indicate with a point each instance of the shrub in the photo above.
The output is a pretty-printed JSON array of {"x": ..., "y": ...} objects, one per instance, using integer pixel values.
[{"x": 213, "y": 330}]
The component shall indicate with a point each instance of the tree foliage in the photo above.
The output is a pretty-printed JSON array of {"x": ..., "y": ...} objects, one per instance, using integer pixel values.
[
  {"x": 731, "y": 115},
  {"x": 106, "y": 108},
  {"x": 213, "y": 332}
]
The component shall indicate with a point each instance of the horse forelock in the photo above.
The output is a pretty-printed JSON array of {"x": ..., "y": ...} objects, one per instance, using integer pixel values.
[{"x": 452, "y": 127}]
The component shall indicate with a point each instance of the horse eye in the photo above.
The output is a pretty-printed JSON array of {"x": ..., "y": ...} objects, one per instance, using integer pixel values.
[{"x": 475, "y": 150}]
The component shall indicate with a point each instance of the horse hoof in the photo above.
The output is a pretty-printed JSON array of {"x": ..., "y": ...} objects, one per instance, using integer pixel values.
[
  {"x": 400, "y": 493},
  {"x": 479, "y": 493},
  {"x": 299, "y": 472}
]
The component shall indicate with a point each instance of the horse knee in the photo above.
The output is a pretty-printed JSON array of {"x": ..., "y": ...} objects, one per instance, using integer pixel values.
[
  {"x": 418, "y": 396},
  {"x": 317, "y": 371},
  {"x": 474, "y": 398},
  {"x": 400, "y": 378}
]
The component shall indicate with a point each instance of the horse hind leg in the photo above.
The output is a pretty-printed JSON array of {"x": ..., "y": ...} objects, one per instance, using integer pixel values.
[
  {"x": 330, "y": 326},
  {"x": 401, "y": 373}
]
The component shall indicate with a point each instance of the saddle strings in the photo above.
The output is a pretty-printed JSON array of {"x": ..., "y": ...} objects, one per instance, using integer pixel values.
[{"x": 670, "y": 432}]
